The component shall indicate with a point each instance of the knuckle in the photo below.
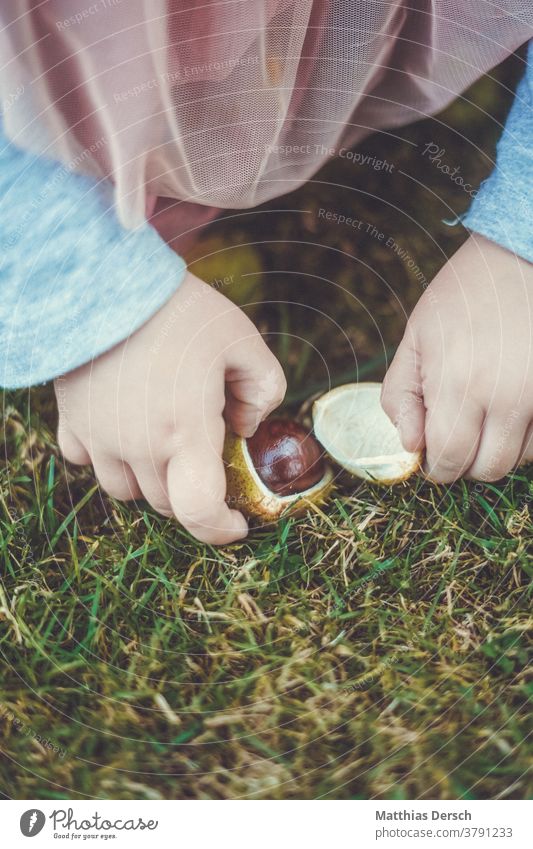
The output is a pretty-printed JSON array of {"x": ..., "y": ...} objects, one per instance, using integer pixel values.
[
  {"x": 72, "y": 452},
  {"x": 441, "y": 431},
  {"x": 71, "y": 457},
  {"x": 445, "y": 458},
  {"x": 445, "y": 467},
  {"x": 526, "y": 454},
  {"x": 134, "y": 446},
  {"x": 491, "y": 473},
  {"x": 160, "y": 507},
  {"x": 449, "y": 463},
  {"x": 180, "y": 437},
  {"x": 281, "y": 387},
  {"x": 139, "y": 445},
  {"x": 462, "y": 385},
  {"x": 271, "y": 364},
  {"x": 64, "y": 447},
  {"x": 270, "y": 390},
  {"x": 278, "y": 377},
  {"x": 115, "y": 489},
  {"x": 496, "y": 475},
  {"x": 389, "y": 401},
  {"x": 205, "y": 535},
  {"x": 156, "y": 497},
  {"x": 199, "y": 517}
]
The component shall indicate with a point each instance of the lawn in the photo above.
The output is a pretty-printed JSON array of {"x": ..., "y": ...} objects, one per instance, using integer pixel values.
[{"x": 377, "y": 648}]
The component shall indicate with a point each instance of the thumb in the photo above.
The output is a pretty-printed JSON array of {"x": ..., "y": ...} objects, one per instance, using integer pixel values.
[
  {"x": 402, "y": 397},
  {"x": 255, "y": 384}
]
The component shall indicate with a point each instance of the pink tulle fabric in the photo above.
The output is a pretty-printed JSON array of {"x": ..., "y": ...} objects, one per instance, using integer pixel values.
[{"x": 190, "y": 107}]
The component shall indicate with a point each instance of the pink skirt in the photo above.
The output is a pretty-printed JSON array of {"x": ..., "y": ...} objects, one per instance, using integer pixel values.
[{"x": 192, "y": 107}]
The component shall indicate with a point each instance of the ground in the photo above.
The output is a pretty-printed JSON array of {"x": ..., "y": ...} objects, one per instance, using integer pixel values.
[{"x": 377, "y": 648}]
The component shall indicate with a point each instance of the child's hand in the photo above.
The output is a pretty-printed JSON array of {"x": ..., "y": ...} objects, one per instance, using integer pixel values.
[
  {"x": 461, "y": 382},
  {"x": 149, "y": 413}
]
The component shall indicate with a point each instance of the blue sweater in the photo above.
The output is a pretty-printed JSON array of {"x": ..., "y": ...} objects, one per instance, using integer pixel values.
[
  {"x": 503, "y": 208},
  {"x": 75, "y": 282}
]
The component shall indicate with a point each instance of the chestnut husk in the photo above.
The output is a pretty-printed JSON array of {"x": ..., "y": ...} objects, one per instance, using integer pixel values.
[{"x": 285, "y": 468}]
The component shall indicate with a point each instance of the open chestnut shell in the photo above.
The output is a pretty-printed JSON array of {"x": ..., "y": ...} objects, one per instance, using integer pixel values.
[{"x": 285, "y": 468}]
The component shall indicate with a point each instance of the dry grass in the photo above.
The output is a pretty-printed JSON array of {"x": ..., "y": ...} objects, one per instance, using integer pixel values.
[{"x": 376, "y": 649}]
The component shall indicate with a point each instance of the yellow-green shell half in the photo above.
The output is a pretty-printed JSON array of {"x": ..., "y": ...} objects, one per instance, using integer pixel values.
[{"x": 247, "y": 493}]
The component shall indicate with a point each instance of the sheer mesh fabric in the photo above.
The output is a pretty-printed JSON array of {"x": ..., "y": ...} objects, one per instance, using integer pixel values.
[{"x": 228, "y": 104}]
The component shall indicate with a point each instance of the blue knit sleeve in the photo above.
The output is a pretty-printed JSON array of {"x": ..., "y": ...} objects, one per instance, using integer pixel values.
[
  {"x": 503, "y": 208},
  {"x": 73, "y": 281}
]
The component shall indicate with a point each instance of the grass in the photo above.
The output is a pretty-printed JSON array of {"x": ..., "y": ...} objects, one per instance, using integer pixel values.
[{"x": 378, "y": 648}]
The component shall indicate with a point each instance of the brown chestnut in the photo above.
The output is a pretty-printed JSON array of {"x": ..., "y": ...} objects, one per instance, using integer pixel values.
[{"x": 287, "y": 458}]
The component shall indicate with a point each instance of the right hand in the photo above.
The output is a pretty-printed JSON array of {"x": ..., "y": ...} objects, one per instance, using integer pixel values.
[{"x": 150, "y": 413}]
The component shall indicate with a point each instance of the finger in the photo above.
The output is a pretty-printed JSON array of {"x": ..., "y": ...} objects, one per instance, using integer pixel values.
[
  {"x": 499, "y": 447},
  {"x": 152, "y": 480},
  {"x": 453, "y": 431},
  {"x": 255, "y": 384},
  {"x": 116, "y": 478},
  {"x": 526, "y": 452},
  {"x": 196, "y": 484},
  {"x": 402, "y": 397},
  {"x": 70, "y": 446}
]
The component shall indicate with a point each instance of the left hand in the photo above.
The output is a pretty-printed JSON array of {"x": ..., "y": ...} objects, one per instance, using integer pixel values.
[{"x": 461, "y": 382}]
